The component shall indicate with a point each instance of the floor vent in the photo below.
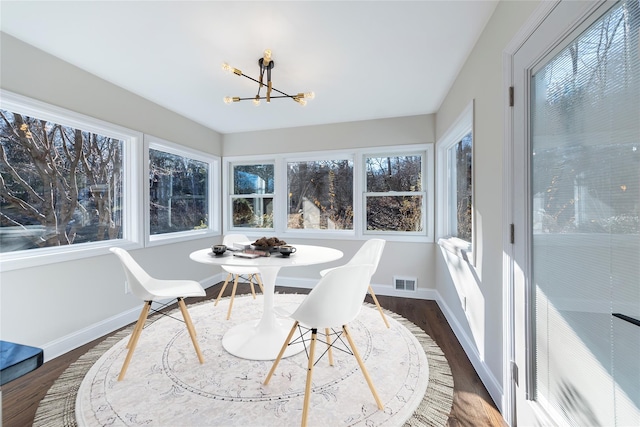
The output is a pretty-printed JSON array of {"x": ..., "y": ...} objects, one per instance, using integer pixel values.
[{"x": 405, "y": 283}]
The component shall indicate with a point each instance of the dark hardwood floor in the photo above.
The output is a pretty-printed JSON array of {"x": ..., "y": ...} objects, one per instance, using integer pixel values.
[{"x": 472, "y": 405}]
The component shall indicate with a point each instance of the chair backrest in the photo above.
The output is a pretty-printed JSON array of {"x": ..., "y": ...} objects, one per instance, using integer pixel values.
[
  {"x": 137, "y": 277},
  {"x": 337, "y": 298},
  {"x": 369, "y": 253},
  {"x": 230, "y": 239}
]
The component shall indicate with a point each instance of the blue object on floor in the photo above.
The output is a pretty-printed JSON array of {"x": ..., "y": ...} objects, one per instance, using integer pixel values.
[{"x": 17, "y": 360}]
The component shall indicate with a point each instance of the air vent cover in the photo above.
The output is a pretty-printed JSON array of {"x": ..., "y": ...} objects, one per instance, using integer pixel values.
[{"x": 405, "y": 283}]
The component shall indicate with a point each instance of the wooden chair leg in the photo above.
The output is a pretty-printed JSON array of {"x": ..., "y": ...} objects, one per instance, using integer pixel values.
[
  {"x": 190, "y": 328},
  {"x": 224, "y": 286},
  {"x": 139, "y": 324},
  {"x": 362, "y": 367},
  {"x": 133, "y": 341},
  {"x": 307, "y": 388},
  {"x": 373, "y": 295},
  {"x": 253, "y": 289},
  {"x": 282, "y": 350},
  {"x": 233, "y": 294},
  {"x": 259, "y": 279},
  {"x": 327, "y": 333}
]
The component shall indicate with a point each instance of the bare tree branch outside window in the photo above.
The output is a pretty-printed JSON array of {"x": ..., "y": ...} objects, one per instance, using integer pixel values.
[{"x": 58, "y": 185}]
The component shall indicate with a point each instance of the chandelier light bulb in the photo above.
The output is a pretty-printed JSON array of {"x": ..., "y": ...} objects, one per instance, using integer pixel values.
[
  {"x": 228, "y": 100},
  {"x": 309, "y": 95},
  {"x": 228, "y": 68},
  {"x": 256, "y": 101},
  {"x": 267, "y": 57}
]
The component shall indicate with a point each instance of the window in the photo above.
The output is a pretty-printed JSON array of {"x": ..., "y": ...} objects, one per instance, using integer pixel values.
[
  {"x": 62, "y": 181},
  {"x": 455, "y": 175},
  {"x": 320, "y": 194},
  {"x": 459, "y": 162},
  {"x": 394, "y": 197},
  {"x": 60, "y": 185},
  {"x": 181, "y": 191},
  {"x": 252, "y": 188},
  {"x": 312, "y": 195}
]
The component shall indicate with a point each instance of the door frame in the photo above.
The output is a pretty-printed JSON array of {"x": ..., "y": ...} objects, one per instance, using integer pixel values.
[{"x": 515, "y": 237}]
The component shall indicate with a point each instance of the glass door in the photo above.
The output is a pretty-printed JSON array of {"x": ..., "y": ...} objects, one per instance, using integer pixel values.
[{"x": 580, "y": 298}]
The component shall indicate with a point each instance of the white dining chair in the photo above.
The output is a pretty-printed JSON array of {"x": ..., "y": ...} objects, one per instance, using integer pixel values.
[
  {"x": 150, "y": 289},
  {"x": 329, "y": 307},
  {"x": 236, "y": 273},
  {"x": 369, "y": 253}
]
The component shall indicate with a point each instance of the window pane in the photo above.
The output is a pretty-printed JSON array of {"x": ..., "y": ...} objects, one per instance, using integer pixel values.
[
  {"x": 397, "y": 173},
  {"x": 461, "y": 187},
  {"x": 253, "y": 179},
  {"x": 178, "y": 193},
  {"x": 257, "y": 211},
  {"x": 394, "y": 213},
  {"x": 253, "y": 212},
  {"x": 59, "y": 186},
  {"x": 320, "y": 195}
]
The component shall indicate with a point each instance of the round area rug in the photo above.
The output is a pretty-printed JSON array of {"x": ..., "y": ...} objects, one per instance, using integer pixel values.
[{"x": 166, "y": 386}]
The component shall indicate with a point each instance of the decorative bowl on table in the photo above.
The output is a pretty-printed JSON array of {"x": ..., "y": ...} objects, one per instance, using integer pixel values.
[{"x": 271, "y": 244}]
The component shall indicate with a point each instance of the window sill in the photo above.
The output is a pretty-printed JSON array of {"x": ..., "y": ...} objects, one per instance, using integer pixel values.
[
  {"x": 458, "y": 247},
  {"x": 31, "y": 258}
]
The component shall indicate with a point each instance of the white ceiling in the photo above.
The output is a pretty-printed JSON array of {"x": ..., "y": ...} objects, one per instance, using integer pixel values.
[{"x": 363, "y": 59}]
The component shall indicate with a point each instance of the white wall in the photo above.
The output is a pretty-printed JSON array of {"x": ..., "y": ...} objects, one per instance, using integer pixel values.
[
  {"x": 480, "y": 327},
  {"x": 43, "y": 305},
  {"x": 370, "y": 133}
]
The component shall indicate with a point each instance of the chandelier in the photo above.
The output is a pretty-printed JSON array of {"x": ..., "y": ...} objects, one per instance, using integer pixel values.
[{"x": 266, "y": 64}]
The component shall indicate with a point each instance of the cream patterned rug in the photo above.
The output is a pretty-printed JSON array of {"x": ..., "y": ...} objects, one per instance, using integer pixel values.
[{"x": 166, "y": 386}]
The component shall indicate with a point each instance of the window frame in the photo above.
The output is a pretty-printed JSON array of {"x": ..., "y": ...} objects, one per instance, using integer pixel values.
[
  {"x": 426, "y": 184},
  {"x": 131, "y": 202},
  {"x": 227, "y": 183},
  {"x": 213, "y": 192},
  {"x": 463, "y": 125}
]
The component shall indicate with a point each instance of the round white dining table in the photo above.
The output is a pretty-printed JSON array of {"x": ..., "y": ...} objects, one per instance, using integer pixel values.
[{"x": 262, "y": 339}]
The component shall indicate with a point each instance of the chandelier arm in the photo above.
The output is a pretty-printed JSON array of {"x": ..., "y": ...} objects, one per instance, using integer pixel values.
[
  {"x": 264, "y": 97},
  {"x": 269, "y": 84},
  {"x": 272, "y": 88}
]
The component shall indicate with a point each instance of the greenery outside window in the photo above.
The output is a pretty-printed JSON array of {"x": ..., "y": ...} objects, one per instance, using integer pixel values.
[
  {"x": 62, "y": 183},
  {"x": 455, "y": 192},
  {"x": 252, "y": 190},
  {"x": 320, "y": 194},
  {"x": 181, "y": 191}
]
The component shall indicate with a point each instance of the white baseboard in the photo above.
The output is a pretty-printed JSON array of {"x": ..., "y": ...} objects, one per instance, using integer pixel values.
[
  {"x": 386, "y": 290},
  {"x": 493, "y": 386},
  {"x": 62, "y": 345}
]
